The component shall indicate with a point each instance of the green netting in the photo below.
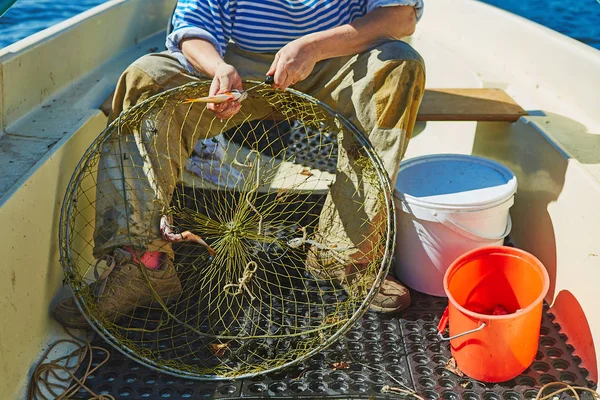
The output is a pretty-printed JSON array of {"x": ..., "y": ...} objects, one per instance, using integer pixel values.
[{"x": 241, "y": 204}]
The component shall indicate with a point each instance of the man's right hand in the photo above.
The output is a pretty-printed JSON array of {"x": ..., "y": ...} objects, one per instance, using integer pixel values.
[
  {"x": 225, "y": 80},
  {"x": 204, "y": 57}
]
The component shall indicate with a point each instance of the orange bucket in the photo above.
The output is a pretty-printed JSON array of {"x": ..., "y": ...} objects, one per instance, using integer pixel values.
[{"x": 495, "y": 297}]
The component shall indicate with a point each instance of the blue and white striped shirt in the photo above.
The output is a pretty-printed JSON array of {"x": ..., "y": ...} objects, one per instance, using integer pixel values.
[{"x": 265, "y": 25}]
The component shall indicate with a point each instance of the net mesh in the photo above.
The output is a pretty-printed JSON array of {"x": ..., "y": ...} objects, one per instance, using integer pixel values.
[{"x": 266, "y": 269}]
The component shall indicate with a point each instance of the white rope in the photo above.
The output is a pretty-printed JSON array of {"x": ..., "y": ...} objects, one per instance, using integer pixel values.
[
  {"x": 242, "y": 284},
  {"x": 299, "y": 242},
  {"x": 256, "y": 185}
]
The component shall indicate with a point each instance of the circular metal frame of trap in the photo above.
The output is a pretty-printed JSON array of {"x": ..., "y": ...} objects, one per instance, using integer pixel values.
[{"x": 76, "y": 286}]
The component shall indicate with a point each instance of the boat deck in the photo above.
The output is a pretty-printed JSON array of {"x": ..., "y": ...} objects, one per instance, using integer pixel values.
[{"x": 379, "y": 350}]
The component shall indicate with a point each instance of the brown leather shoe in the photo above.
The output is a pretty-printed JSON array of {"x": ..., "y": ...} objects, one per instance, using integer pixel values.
[
  {"x": 391, "y": 298},
  {"x": 121, "y": 287},
  {"x": 67, "y": 314}
]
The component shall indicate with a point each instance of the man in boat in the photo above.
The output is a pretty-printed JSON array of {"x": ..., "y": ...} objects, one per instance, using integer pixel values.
[{"x": 346, "y": 53}]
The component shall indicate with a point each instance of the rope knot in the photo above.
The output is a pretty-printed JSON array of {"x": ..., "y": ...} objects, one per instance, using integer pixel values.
[{"x": 242, "y": 284}]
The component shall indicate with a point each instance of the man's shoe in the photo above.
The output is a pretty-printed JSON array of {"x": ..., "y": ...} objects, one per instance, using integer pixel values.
[
  {"x": 67, "y": 314},
  {"x": 121, "y": 287},
  {"x": 391, "y": 298}
]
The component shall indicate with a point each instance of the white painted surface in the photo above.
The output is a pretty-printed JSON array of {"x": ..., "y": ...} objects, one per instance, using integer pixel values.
[
  {"x": 52, "y": 82},
  {"x": 52, "y": 85},
  {"x": 465, "y": 44}
]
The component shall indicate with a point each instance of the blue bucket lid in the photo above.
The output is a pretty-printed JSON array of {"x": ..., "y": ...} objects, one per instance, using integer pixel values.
[{"x": 454, "y": 181}]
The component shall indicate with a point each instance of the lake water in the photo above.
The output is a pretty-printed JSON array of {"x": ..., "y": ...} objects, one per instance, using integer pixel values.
[{"x": 578, "y": 19}]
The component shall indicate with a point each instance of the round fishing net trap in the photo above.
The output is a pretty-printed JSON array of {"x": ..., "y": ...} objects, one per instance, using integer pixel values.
[{"x": 217, "y": 249}]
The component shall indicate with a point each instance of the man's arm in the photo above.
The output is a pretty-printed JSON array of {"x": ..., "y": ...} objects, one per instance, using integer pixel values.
[
  {"x": 205, "y": 58},
  {"x": 198, "y": 41},
  {"x": 202, "y": 54},
  {"x": 380, "y": 25},
  {"x": 295, "y": 61}
]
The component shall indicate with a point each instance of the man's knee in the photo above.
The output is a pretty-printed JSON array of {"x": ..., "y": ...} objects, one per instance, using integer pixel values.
[
  {"x": 397, "y": 50},
  {"x": 145, "y": 77},
  {"x": 399, "y": 68},
  {"x": 398, "y": 85},
  {"x": 161, "y": 68}
]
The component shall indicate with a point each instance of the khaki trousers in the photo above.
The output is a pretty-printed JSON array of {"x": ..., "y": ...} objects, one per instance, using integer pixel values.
[{"x": 379, "y": 91}]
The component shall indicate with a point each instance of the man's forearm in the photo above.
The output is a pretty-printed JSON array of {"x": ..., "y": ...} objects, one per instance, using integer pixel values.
[
  {"x": 205, "y": 58},
  {"x": 202, "y": 55},
  {"x": 381, "y": 24}
]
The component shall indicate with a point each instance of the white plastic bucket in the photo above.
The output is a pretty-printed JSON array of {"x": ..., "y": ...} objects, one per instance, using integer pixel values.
[{"x": 448, "y": 204}]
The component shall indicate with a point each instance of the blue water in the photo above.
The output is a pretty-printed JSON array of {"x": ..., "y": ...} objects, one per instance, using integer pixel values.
[
  {"x": 27, "y": 17},
  {"x": 579, "y": 19}
]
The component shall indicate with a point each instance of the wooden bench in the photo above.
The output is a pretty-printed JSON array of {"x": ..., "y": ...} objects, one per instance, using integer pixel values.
[
  {"x": 469, "y": 105},
  {"x": 451, "y": 105}
]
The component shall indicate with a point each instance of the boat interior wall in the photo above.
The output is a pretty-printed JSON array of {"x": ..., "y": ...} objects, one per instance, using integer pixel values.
[
  {"x": 52, "y": 82},
  {"x": 542, "y": 58},
  {"x": 51, "y": 60},
  {"x": 52, "y": 85},
  {"x": 30, "y": 269},
  {"x": 575, "y": 324}
]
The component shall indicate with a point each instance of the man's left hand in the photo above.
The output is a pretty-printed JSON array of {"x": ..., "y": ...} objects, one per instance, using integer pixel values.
[{"x": 293, "y": 63}]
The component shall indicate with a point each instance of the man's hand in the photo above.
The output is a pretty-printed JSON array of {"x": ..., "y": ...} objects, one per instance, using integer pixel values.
[
  {"x": 296, "y": 60},
  {"x": 293, "y": 63},
  {"x": 226, "y": 79},
  {"x": 204, "y": 57}
]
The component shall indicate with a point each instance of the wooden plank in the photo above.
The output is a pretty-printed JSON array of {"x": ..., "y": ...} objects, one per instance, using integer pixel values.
[{"x": 469, "y": 105}]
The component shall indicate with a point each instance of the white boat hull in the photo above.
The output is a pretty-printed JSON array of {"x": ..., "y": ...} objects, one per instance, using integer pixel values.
[{"x": 53, "y": 82}]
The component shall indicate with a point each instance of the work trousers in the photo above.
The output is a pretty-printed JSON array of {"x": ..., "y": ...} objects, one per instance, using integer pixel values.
[{"x": 378, "y": 91}]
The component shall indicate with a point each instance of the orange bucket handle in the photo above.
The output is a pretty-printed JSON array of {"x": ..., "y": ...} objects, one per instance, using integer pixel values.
[{"x": 444, "y": 323}]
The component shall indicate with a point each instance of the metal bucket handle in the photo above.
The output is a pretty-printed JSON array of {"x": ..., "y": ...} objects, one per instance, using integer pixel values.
[{"x": 444, "y": 323}]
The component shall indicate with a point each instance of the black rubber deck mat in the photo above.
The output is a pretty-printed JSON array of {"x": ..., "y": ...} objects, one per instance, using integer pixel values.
[
  {"x": 290, "y": 140},
  {"x": 380, "y": 350}
]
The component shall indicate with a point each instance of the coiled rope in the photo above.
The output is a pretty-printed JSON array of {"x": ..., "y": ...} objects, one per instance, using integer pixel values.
[{"x": 57, "y": 377}]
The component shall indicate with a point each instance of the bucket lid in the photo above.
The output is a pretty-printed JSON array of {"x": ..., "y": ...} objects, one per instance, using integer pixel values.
[{"x": 454, "y": 181}]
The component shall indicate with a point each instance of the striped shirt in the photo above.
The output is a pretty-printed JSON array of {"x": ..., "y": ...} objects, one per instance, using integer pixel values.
[{"x": 265, "y": 25}]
